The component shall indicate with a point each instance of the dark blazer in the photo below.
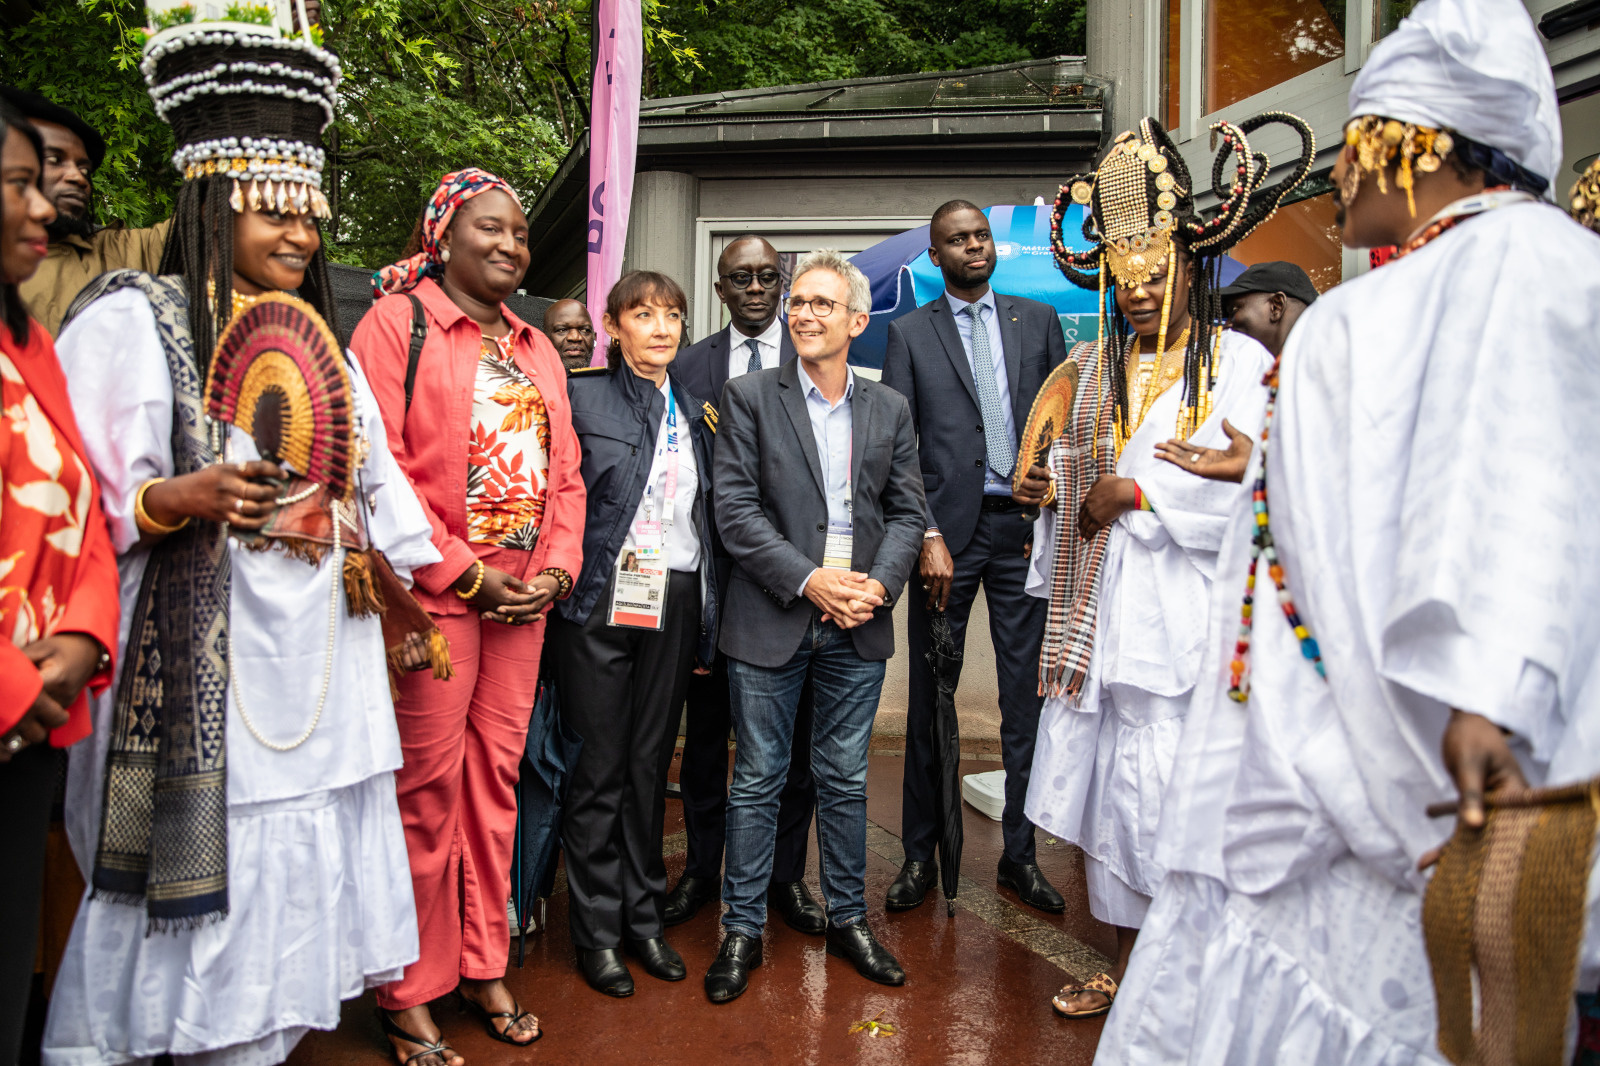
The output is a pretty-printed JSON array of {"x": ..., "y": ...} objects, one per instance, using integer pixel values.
[
  {"x": 617, "y": 417},
  {"x": 926, "y": 364},
  {"x": 703, "y": 366},
  {"x": 772, "y": 513}
]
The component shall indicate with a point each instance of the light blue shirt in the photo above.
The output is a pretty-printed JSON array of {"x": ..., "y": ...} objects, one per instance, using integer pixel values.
[
  {"x": 993, "y": 483},
  {"x": 833, "y": 431}
]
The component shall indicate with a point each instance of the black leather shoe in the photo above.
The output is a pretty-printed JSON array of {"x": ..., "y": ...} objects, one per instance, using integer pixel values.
[
  {"x": 1027, "y": 881},
  {"x": 606, "y": 972},
  {"x": 729, "y": 975},
  {"x": 870, "y": 958},
  {"x": 793, "y": 902},
  {"x": 687, "y": 897},
  {"x": 659, "y": 958},
  {"x": 912, "y": 885}
]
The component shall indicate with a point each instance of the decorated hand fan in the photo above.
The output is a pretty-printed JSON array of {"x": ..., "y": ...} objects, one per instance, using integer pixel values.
[
  {"x": 279, "y": 375},
  {"x": 1047, "y": 418}
]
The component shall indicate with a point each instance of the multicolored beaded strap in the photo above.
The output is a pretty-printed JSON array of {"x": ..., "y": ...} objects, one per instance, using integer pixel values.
[{"x": 1262, "y": 546}]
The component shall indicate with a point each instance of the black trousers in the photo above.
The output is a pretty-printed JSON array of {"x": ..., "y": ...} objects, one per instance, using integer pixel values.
[
  {"x": 27, "y": 787},
  {"x": 996, "y": 557},
  {"x": 704, "y": 780},
  {"x": 620, "y": 691}
]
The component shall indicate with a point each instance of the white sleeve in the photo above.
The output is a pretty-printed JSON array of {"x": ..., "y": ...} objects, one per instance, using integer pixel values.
[
  {"x": 121, "y": 394},
  {"x": 398, "y": 526}
]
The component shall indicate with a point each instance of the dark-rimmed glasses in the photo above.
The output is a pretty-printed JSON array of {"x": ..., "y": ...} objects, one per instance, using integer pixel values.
[{"x": 742, "y": 278}]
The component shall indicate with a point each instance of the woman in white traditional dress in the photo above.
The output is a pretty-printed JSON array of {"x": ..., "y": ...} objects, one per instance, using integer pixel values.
[
  {"x": 1129, "y": 553},
  {"x": 236, "y": 804}
]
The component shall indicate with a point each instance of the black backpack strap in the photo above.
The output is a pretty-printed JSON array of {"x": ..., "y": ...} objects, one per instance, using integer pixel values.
[{"x": 419, "y": 333}]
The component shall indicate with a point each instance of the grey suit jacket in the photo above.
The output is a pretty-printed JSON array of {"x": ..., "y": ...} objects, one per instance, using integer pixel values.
[
  {"x": 773, "y": 517},
  {"x": 926, "y": 363},
  {"x": 703, "y": 365}
]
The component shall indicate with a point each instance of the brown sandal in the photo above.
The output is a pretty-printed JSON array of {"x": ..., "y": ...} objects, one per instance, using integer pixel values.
[{"x": 1101, "y": 983}]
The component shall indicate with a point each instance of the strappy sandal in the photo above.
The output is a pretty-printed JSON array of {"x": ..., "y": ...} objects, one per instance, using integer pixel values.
[
  {"x": 1101, "y": 983},
  {"x": 441, "y": 1049},
  {"x": 515, "y": 1015}
]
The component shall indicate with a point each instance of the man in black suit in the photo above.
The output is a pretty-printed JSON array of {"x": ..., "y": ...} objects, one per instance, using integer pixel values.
[
  {"x": 820, "y": 505},
  {"x": 970, "y": 363},
  {"x": 749, "y": 283}
]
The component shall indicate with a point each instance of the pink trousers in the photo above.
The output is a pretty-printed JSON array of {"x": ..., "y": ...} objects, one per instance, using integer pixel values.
[{"x": 462, "y": 740}]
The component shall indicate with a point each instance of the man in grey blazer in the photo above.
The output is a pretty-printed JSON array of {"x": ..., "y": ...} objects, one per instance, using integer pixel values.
[
  {"x": 750, "y": 284},
  {"x": 819, "y": 503},
  {"x": 970, "y": 363}
]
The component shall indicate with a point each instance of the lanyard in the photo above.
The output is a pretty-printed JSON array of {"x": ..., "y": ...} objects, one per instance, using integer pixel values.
[{"x": 670, "y": 492}]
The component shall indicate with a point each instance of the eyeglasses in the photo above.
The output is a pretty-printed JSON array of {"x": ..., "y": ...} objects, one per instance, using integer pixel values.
[
  {"x": 821, "y": 306},
  {"x": 582, "y": 331},
  {"x": 741, "y": 278}
]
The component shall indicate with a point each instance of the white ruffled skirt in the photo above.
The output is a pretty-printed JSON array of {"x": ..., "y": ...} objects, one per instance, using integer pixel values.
[
  {"x": 1328, "y": 970},
  {"x": 320, "y": 908}
]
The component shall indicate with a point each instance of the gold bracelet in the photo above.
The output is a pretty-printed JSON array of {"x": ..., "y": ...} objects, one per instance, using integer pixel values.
[
  {"x": 142, "y": 519},
  {"x": 476, "y": 585}
]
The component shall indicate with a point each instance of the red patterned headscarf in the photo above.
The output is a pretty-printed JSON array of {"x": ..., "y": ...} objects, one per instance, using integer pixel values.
[{"x": 455, "y": 189}]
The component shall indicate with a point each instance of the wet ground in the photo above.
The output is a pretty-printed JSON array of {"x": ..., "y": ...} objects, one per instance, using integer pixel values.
[{"x": 977, "y": 992}]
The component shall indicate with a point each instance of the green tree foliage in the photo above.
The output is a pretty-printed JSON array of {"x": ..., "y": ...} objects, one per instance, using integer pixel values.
[{"x": 435, "y": 85}]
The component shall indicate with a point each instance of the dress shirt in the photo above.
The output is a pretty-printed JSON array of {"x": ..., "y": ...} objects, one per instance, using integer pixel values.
[
  {"x": 833, "y": 431},
  {"x": 681, "y": 539},
  {"x": 993, "y": 483},
  {"x": 739, "y": 348}
]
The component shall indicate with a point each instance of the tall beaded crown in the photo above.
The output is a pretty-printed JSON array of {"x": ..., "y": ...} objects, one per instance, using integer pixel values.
[
  {"x": 1140, "y": 200},
  {"x": 249, "y": 102}
]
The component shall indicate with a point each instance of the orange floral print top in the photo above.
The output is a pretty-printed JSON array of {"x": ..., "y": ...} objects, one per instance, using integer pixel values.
[{"x": 508, "y": 457}]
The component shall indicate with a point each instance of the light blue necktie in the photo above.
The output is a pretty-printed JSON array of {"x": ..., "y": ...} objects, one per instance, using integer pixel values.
[
  {"x": 1002, "y": 456},
  {"x": 755, "y": 356}
]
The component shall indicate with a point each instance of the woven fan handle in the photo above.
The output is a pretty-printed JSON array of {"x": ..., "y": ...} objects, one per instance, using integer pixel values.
[{"x": 1532, "y": 797}]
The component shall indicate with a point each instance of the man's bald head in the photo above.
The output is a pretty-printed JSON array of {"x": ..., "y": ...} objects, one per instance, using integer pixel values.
[
  {"x": 567, "y": 324},
  {"x": 749, "y": 281}
]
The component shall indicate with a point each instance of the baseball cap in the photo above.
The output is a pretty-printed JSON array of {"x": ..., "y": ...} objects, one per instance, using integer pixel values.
[
  {"x": 32, "y": 105},
  {"x": 1273, "y": 277}
]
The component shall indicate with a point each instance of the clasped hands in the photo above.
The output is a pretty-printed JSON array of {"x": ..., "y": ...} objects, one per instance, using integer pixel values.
[
  {"x": 503, "y": 598},
  {"x": 65, "y": 663},
  {"x": 845, "y": 597}
]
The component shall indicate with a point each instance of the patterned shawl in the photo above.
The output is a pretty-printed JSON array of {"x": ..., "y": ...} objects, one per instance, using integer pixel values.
[
  {"x": 1076, "y": 462},
  {"x": 164, "y": 826}
]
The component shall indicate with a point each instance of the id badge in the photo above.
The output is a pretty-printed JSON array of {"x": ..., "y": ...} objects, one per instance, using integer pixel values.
[
  {"x": 639, "y": 590},
  {"x": 836, "y": 549}
]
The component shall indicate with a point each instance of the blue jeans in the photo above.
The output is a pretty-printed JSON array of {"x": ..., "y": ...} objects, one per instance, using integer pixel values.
[{"x": 846, "y": 689}]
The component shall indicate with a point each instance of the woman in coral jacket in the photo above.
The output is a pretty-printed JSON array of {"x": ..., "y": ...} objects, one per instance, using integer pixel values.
[
  {"x": 483, "y": 428},
  {"x": 58, "y": 573}
]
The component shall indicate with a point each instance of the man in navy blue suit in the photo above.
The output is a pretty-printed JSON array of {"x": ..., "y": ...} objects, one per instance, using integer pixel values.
[
  {"x": 750, "y": 284},
  {"x": 970, "y": 362}
]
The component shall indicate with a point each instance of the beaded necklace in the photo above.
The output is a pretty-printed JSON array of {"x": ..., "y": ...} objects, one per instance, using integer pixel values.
[{"x": 1261, "y": 544}]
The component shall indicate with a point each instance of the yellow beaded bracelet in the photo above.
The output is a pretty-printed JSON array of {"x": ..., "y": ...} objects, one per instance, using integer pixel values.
[
  {"x": 142, "y": 519},
  {"x": 476, "y": 585}
]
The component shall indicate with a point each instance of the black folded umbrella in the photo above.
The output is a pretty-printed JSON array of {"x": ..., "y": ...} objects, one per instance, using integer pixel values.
[
  {"x": 945, "y": 659},
  {"x": 549, "y": 753}
]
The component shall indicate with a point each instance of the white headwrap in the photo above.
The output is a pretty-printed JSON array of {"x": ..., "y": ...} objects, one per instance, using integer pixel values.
[{"x": 1474, "y": 66}]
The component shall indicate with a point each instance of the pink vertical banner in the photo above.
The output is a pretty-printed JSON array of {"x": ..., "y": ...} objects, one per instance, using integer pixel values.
[{"x": 613, "y": 147}]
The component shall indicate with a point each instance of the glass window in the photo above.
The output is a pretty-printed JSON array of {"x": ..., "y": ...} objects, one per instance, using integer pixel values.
[
  {"x": 1390, "y": 12},
  {"x": 1305, "y": 233},
  {"x": 1252, "y": 45}
]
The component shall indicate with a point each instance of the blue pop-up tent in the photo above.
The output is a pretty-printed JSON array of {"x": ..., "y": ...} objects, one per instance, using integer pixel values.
[{"x": 904, "y": 278}]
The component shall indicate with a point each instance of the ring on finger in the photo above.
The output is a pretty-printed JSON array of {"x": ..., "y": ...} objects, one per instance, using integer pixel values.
[
  {"x": 238, "y": 505},
  {"x": 1195, "y": 458},
  {"x": 15, "y": 743}
]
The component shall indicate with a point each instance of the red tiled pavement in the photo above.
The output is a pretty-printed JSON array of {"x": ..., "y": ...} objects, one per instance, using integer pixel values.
[{"x": 973, "y": 996}]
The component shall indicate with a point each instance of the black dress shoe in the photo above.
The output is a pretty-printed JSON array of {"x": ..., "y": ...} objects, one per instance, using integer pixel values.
[
  {"x": 606, "y": 972},
  {"x": 729, "y": 975},
  {"x": 793, "y": 902},
  {"x": 870, "y": 958},
  {"x": 912, "y": 885},
  {"x": 687, "y": 897},
  {"x": 659, "y": 958},
  {"x": 1027, "y": 881}
]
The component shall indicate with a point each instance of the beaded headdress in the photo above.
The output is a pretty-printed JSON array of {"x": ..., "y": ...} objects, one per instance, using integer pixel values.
[
  {"x": 1586, "y": 197},
  {"x": 1140, "y": 212},
  {"x": 249, "y": 104}
]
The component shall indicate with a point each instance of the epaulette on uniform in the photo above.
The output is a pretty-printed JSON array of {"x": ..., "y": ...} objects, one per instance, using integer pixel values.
[
  {"x": 711, "y": 416},
  {"x": 588, "y": 371}
]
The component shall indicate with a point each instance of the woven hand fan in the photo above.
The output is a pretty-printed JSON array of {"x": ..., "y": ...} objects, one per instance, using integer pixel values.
[
  {"x": 278, "y": 374},
  {"x": 1047, "y": 418}
]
